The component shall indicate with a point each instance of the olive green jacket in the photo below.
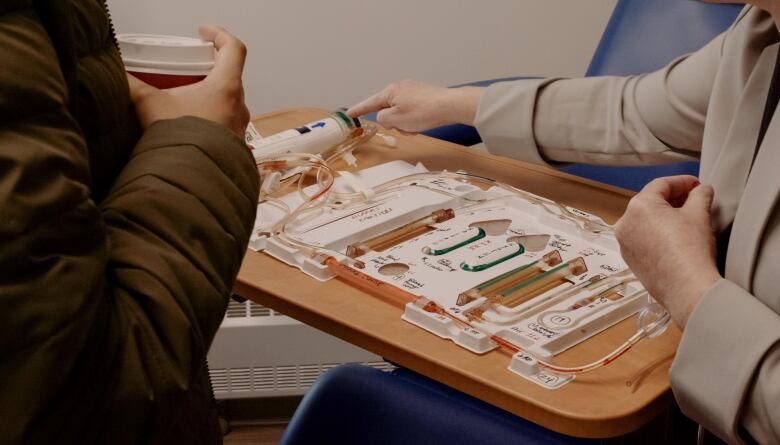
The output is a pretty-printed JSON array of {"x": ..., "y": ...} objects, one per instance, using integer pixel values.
[{"x": 118, "y": 248}]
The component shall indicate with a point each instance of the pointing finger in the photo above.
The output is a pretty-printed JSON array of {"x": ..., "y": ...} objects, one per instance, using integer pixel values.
[{"x": 377, "y": 102}]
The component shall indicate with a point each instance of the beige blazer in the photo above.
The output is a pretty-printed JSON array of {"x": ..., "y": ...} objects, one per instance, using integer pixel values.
[{"x": 709, "y": 104}]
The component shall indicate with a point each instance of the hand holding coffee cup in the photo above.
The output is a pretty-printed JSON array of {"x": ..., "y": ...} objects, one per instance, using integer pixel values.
[{"x": 218, "y": 97}]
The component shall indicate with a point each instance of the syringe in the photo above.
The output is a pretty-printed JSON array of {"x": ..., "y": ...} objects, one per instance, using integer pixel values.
[{"x": 313, "y": 138}]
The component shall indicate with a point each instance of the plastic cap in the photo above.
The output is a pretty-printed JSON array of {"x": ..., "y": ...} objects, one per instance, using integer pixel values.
[{"x": 159, "y": 54}]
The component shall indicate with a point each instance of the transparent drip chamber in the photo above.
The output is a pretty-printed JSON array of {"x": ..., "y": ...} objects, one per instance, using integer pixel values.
[{"x": 470, "y": 259}]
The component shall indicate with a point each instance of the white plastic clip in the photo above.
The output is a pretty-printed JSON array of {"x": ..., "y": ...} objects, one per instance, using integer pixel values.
[
  {"x": 349, "y": 158},
  {"x": 357, "y": 185},
  {"x": 388, "y": 140},
  {"x": 271, "y": 183}
]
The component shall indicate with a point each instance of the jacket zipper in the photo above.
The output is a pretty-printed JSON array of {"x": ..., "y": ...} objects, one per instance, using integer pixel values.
[
  {"x": 111, "y": 26},
  {"x": 213, "y": 401}
]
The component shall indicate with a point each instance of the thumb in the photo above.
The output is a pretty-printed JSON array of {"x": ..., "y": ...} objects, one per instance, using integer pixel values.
[
  {"x": 700, "y": 199},
  {"x": 388, "y": 118},
  {"x": 231, "y": 52}
]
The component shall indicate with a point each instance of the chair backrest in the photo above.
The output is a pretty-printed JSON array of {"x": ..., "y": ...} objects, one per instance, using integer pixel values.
[
  {"x": 644, "y": 35},
  {"x": 641, "y": 36}
]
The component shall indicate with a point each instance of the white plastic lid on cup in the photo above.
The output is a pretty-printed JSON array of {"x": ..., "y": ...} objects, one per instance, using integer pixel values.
[{"x": 151, "y": 53}]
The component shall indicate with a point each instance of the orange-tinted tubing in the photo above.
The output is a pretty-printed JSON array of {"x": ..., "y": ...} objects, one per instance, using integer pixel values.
[{"x": 387, "y": 292}]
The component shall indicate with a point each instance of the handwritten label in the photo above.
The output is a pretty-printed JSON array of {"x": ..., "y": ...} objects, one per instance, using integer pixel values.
[
  {"x": 547, "y": 379},
  {"x": 591, "y": 252},
  {"x": 412, "y": 284},
  {"x": 372, "y": 213},
  {"x": 560, "y": 243},
  {"x": 440, "y": 266},
  {"x": 543, "y": 331},
  {"x": 608, "y": 268},
  {"x": 386, "y": 259}
]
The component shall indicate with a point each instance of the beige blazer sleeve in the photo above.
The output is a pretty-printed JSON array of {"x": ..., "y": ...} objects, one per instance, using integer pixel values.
[
  {"x": 654, "y": 118},
  {"x": 726, "y": 374}
]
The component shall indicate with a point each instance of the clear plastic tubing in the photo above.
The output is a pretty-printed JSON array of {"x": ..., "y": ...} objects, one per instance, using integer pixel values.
[
  {"x": 389, "y": 238},
  {"x": 540, "y": 283},
  {"x": 652, "y": 321}
]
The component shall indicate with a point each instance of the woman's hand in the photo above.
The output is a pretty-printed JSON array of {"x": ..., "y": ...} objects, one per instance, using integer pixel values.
[
  {"x": 666, "y": 238},
  {"x": 412, "y": 106},
  {"x": 219, "y": 97}
]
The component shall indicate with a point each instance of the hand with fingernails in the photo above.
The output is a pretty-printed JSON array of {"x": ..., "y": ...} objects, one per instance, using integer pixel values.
[
  {"x": 667, "y": 240},
  {"x": 218, "y": 98}
]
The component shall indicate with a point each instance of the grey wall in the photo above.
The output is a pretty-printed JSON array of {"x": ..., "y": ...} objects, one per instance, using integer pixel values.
[{"x": 334, "y": 53}]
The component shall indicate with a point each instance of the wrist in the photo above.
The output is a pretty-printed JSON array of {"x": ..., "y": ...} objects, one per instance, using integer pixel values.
[
  {"x": 690, "y": 295},
  {"x": 464, "y": 102}
]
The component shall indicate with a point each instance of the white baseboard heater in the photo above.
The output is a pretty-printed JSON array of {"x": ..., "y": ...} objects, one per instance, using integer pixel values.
[{"x": 259, "y": 352}]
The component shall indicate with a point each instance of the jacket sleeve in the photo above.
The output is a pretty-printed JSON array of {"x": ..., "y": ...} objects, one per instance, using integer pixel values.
[
  {"x": 110, "y": 305},
  {"x": 653, "y": 118},
  {"x": 726, "y": 374}
]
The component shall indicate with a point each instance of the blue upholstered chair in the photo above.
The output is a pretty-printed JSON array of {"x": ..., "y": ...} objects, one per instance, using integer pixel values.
[
  {"x": 360, "y": 405},
  {"x": 354, "y": 404},
  {"x": 641, "y": 36}
]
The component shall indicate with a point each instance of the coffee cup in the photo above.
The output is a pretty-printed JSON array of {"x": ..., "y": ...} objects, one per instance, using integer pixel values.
[{"x": 166, "y": 61}]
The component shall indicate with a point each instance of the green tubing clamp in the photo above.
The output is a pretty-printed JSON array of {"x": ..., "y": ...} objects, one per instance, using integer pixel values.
[
  {"x": 476, "y": 237},
  {"x": 482, "y": 267}
]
